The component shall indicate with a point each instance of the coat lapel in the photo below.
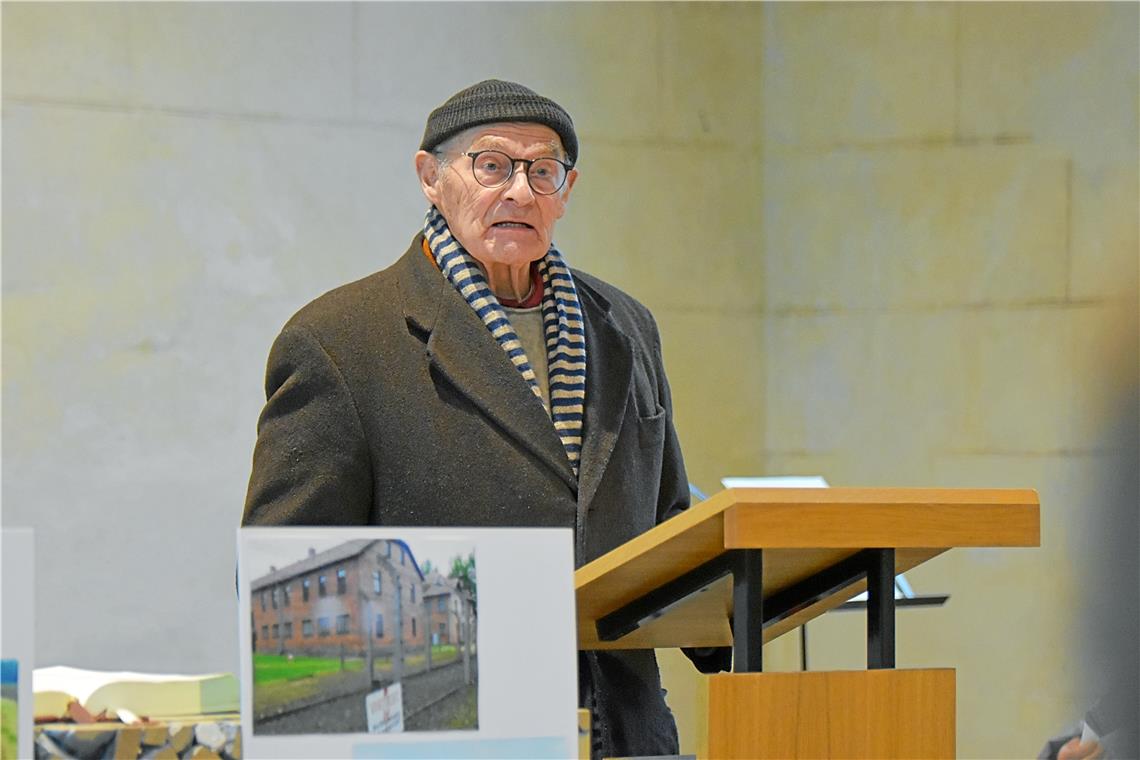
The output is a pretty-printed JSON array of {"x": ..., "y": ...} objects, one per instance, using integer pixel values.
[
  {"x": 461, "y": 348},
  {"x": 609, "y": 374}
]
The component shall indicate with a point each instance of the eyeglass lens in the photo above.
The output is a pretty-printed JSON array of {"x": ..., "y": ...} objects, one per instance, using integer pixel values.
[{"x": 493, "y": 168}]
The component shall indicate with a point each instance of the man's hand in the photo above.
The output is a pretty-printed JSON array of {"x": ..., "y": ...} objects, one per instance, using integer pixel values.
[{"x": 1075, "y": 749}]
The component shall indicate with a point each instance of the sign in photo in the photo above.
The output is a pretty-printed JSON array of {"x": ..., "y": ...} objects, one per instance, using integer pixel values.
[
  {"x": 386, "y": 635},
  {"x": 385, "y": 710}
]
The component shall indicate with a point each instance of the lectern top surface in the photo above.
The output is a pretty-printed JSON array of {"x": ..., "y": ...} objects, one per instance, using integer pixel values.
[{"x": 803, "y": 531}]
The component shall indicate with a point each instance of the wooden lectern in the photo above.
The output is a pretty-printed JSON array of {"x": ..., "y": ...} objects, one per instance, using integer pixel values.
[{"x": 750, "y": 564}]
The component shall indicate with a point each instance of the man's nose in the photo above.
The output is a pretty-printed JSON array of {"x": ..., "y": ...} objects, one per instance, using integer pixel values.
[{"x": 518, "y": 188}]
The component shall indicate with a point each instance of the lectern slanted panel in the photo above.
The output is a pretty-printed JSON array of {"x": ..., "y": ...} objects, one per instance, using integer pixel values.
[{"x": 802, "y": 532}]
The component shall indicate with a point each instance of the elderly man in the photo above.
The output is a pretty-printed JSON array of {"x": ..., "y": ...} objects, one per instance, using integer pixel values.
[{"x": 479, "y": 381}]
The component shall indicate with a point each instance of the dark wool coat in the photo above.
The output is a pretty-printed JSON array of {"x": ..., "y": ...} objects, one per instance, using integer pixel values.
[{"x": 390, "y": 403}]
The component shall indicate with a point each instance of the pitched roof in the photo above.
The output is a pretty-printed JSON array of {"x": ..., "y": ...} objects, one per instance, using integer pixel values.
[
  {"x": 436, "y": 584},
  {"x": 339, "y": 553}
]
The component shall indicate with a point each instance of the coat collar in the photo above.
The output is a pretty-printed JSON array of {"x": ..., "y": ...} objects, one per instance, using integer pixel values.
[{"x": 464, "y": 352}]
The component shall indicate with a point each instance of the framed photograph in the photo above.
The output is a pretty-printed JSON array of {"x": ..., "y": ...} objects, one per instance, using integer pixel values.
[{"x": 361, "y": 642}]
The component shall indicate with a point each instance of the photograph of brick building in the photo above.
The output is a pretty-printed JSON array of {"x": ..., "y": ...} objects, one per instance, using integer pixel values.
[
  {"x": 331, "y": 623},
  {"x": 338, "y": 598}
]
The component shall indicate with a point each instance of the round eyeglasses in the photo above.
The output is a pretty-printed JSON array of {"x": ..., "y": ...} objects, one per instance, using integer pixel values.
[{"x": 493, "y": 168}]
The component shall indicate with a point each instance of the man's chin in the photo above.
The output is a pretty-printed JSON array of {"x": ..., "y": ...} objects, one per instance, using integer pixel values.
[{"x": 510, "y": 255}]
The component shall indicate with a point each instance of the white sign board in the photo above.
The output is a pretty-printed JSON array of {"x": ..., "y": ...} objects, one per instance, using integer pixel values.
[
  {"x": 475, "y": 625},
  {"x": 385, "y": 710}
]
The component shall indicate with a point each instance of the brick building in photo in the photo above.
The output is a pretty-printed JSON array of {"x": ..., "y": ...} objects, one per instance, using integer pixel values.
[
  {"x": 332, "y": 601},
  {"x": 444, "y": 603}
]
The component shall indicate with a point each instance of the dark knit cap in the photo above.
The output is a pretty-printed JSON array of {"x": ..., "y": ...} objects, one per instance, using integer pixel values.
[{"x": 494, "y": 100}]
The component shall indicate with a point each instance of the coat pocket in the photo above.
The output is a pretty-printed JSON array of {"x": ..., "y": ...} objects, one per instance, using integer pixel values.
[{"x": 651, "y": 430}]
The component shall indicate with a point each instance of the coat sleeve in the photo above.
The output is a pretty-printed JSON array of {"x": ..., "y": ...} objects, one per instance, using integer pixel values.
[
  {"x": 673, "y": 498},
  {"x": 311, "y": 463}
]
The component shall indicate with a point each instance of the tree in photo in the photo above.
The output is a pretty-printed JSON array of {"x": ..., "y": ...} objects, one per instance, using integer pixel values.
[{"x": 463, "y": 573}]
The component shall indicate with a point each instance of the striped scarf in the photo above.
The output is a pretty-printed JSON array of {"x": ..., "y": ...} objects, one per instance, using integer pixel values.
[{"x": 561, "y": 323}]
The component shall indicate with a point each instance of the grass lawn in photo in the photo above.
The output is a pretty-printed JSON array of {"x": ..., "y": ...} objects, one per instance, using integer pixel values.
[
  {"x": 9, "y": 716},
  {"x": 9, "y": 709},
  {"x": 268, "y": 668},
  {"x": 279, "y": 681}
]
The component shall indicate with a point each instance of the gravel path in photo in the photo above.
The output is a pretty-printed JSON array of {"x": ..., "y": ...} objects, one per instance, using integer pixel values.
[{"x": 345, "y": 714}]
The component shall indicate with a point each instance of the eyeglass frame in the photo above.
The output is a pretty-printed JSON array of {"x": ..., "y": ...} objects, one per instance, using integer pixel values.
[{"x": 529, "y": 163}]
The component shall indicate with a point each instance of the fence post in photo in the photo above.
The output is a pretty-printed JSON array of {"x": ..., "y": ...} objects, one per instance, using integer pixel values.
[
  {"x": 465, "y": 635},
  {"x": 280, "y": 607},
  {"x": 427, "y": 631},
  {"x": 366, "y": 624},
  {"x": 398, "y": 653}
]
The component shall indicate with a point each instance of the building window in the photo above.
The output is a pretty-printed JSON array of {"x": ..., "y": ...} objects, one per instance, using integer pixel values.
[
  {"x": 441, "y": 605},
  {"x": 403, "y": 554},
  {"x": 276, "y": 632},
  {"x": 442, "y": 630},
  {"x": 287, "y": 630},
  {"x": 307, "y": 628},
  {"x": 379, "y": 626},
  {"x": 413, "y": 626},
  {"x": 265, "y": 632},
  {"x": 341, "y": 581},
  {"x": 263, "y": 601},
  {"x": 323, "y": 626},
  {"x": 342, "y": 623},
  {"x": 273, "y": 597},
  {"x": 322, "y": 587},
  {"x": 285, "y": 595},
  {"x": 305, "y": 590},
  {"x": 413, "y": 590},
  {"x": 376, "y": 581}
]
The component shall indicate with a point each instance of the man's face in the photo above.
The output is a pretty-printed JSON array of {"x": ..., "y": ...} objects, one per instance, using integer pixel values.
[{"x": 509, "y": 225}]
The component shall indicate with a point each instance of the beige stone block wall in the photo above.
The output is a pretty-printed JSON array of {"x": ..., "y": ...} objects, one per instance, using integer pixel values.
[
  {"x": 698, "y": 251},
  {"x": 453, "y": 39},
  {"x": 1066, "y": 75},
  {"x": 43, "y": 44},
  {"x": 883, "y": 228},
  {"x": 829, "y": 398},
  {"x": 831, "y": 73},
  {"x": 949, "y": 204},
  {"x": 710, "y": 356},
  {"x": 223, "y": 58},
  {"x": 709, "y": 60}
]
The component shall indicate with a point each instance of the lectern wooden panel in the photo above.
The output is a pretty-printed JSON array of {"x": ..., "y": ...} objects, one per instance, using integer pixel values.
[{"x": 851, "y": 714}]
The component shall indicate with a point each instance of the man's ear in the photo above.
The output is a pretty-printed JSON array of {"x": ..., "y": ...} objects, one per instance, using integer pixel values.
[
  {"x": 571, "y": 178},
  {"x": 427, "y": 169},
  {"x": 564, "y": 194}
]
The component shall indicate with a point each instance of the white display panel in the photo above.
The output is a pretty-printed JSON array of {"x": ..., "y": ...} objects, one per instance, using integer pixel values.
[{"x": 523, "y": 659}]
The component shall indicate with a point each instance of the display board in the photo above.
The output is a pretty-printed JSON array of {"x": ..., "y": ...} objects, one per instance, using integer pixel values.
[{"x": 407, "y": 642}]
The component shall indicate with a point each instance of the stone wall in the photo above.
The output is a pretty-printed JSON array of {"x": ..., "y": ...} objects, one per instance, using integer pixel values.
[{"x": 950, "y": 241}]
